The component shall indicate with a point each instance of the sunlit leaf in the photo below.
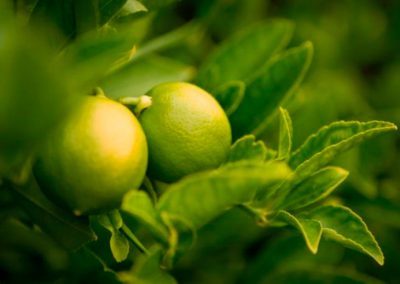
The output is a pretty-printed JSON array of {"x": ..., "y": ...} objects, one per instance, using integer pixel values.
[
  {"x": 324, "y": 146},
  {"x": 247, "y": 148},
  {"x": 285, "y": 135},
  {"x": 342, "y": 225},
  {"x": 331, "y": 140},
  {"x": 139, "y": 205},
  {"x": 119, "y": 245},
  {"x": 316, "y": 187},
  {"x": 310, "y": 229},
  {"x": 201, "y": 197}
]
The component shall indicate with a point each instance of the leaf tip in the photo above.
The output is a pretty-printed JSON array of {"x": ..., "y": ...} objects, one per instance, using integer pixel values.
[{"x": 380, "y": 260}]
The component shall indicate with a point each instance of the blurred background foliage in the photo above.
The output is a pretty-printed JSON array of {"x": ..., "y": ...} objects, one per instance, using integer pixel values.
[{"x": 355, "y": 74}]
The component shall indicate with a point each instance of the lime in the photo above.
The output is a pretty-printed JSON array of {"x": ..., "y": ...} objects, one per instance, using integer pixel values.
[
  {"x": 94, "y": 158},
  {"x": 186, "y": 129}
]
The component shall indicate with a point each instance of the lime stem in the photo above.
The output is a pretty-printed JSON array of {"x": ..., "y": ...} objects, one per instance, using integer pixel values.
[
  {"x": 139, "y": 104},
  {"x": 259, "y": 214},
  {"x": 150, "y": 189},
  {"x": 98, "y": 92},
  {"x": 134, "y": 239}
]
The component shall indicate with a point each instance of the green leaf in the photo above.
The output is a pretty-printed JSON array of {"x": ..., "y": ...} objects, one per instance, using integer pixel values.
[
  {"x": 108, "y": 9},
  {"x": 36, "y": 95},
  {"x": 310, "y": 229},
  {"x": 105, "y": 222},
  {"x": 201, "y": 197},
  {"x": 95, "y": 55},
  {"x": 111, "y": 221},
  {"x": 131, "y": 9},
  {"x": 155, "y": 4},
  {"x": 322, "y": 147},
  {"x": 16, "y": 235},
  {"x": 139, "y": 205},
  {"x": 119, "y": 245},
  {"x": 169, "y": 39},
  {"x": 59, "y": 14},
  {"x": 285, "y": 135},
  {"x": 86, "y": 15},
  {"x": 342, "y": 225},
  {"x": 269, "y": 88},
  {"x": 246, "y": 148},
  {"x": 239, "y": 57},
  {"x": 147, "y": 270},
  {"x": 68, "y": 230},
  {"x": 115, "y": 219},
  {"x": 331, "y": 140},
  {"x": 316, "y": 187},
  {"x": 319, "y": 273},
  {"x": 140, "y": 76},
  {"x": 230, "y": 95}
]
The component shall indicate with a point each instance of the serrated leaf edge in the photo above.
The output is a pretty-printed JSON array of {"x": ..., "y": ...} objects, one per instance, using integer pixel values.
[{"x": 379, "y": 259}]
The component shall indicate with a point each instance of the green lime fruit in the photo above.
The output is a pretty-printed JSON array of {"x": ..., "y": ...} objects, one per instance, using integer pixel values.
[
  {"x": 98, "y": 154},
  {"x": 186, "y": 130}
]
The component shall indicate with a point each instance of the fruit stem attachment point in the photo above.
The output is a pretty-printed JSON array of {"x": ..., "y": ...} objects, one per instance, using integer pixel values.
[
  {"x": 98, "y": 92},
  {"x": 139, "y": 104}
]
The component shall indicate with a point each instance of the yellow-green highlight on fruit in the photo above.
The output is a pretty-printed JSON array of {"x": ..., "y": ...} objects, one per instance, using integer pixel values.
[
  {"x": 186, "y": 129},
  {"x": 98, "y": 155}
]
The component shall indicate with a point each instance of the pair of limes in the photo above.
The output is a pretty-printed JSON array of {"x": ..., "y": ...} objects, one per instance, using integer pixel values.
[{"x": 102, "y": 150}]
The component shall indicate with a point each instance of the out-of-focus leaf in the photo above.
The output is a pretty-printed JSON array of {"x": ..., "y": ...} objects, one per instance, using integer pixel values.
[
  {"x": 168, "y": 40},
  {"x": 344, "y": 226},
  {"x": 310, "y": 229},
  {"x": 86, "y": 14},
  {"x": 246, "y": 148},
  {"x": 268, "y": 88},
  {"x": 108, "y": 8},
  {"x": 140, "y": 76},
  {"x": 285, "y": 135},
  {"x": 110, "y": 221},
  {"x": 241, "y": 56},
  {"x": 201, "y": 197},
  {"x": 288, "y": 252},
  {"x": 131, "y": 9},
  {"x": 60, "y": 14},
  {"x": 314, "y": 274},
  {"x": 316, "y": 187},
  {"x": 119, "y": 245},
  {"x": 230, "y": 95},
  {"x": 16, "y": 235},
  {"x": 147, "y": 270},
  {"x": 94, "y": 55},
  {"x": 36, "y": 95},
  {"x": 139, "y": 205},
  {"x": 331, "y": 140},
  {"x": 156, "y": 4},
  {"x": 68, "y": 230}
]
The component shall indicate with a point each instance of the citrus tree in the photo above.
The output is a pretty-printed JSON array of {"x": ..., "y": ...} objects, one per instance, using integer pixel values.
[{"x": 128, "y": 153}]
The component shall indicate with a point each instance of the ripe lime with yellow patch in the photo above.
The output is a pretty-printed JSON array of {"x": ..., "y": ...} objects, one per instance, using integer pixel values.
[{"x": 94, "y": 158}]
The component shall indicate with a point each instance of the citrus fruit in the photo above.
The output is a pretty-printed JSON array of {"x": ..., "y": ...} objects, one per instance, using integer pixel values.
[
  {"x": 186, "y": 130},
  {"x": 98, "y": 154}
]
